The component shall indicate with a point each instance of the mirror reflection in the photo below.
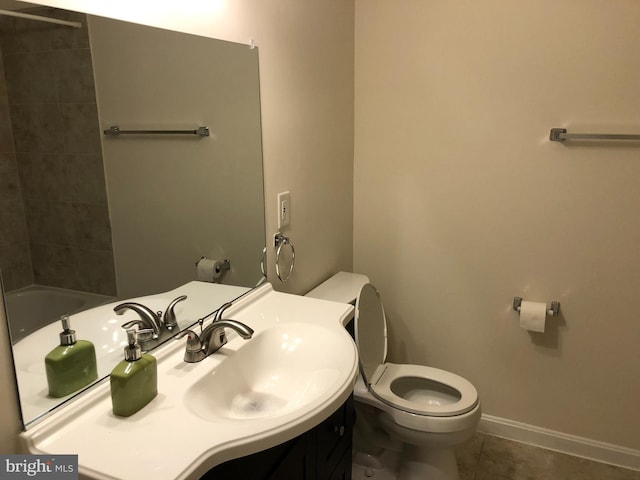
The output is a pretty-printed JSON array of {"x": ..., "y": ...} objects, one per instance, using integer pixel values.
[{"x": 90, "y": 220}]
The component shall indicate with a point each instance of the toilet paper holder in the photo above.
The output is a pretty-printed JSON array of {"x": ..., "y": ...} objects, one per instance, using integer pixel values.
[
  {"x": 223, "y": 267},
  {"x": 552, "y": 312}
]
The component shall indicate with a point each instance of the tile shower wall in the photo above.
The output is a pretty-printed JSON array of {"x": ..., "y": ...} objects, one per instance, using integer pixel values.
[
  {"x": 15, "y": 260},
  {"x": 53, "y": 145}
]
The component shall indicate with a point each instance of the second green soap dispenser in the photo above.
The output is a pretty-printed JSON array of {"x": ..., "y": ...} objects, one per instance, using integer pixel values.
[
  {"x": 134, "y": 381},
  {"x": 71, "y": 365}
]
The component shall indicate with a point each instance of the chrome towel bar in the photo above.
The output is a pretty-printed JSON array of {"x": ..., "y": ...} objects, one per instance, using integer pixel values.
[
  {"x": 560, "y": 135},
  {"x": 115, "y": 131}
]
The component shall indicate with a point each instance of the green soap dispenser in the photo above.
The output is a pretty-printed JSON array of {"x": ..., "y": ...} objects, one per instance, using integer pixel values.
[
  {"x": 134, "y": 381},
  {"x": 71, "y": 365}
]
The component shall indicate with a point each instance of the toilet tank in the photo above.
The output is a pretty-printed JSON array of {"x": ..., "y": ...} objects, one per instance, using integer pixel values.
[{"x": 343, "y": 287}]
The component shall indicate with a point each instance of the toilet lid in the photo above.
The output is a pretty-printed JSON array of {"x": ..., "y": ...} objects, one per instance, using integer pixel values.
[
  {"x": 437, "y": 393},
  {"x": 371, "y": 331}
]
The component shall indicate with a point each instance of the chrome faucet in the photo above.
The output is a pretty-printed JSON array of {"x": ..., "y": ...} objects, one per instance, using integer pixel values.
[
  {"x": 169, "y": 317},
  {"x": 149, "y": 319},
  {"x": 212, "y": 337}
]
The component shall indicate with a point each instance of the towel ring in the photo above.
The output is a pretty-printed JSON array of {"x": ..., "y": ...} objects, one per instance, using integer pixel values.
[
  {"x": 263, "y": 257},
  {"x": 279, "y": 242}
]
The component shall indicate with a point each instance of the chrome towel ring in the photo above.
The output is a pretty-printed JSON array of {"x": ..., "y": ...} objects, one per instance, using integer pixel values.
[{"x": 280, "y": 241}]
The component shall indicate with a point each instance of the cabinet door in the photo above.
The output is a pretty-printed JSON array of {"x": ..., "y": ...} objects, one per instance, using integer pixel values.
[
  {"x": 334, "y": 441},
  {"x": 323, "y": 453},
  {"x": 342, "y": 470},
  {"x": 299, "y": 461},
  {"x": 286, "y": 461}
]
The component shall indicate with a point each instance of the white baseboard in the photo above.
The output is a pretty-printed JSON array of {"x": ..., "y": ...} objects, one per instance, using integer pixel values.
[{"x": 560, "y": 442}]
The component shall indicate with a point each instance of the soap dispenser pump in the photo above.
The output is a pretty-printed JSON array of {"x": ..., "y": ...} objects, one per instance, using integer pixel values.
[
  {"x": 71, "y": 365},
  {"x": 134, "y": 381}
]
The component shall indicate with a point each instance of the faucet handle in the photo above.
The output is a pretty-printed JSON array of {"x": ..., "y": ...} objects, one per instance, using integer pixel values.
[
  {"x": 221, "y": 311},
  {"x": 169, "y": 317},
  {"x": 194, "y": 351},
  {"x": 143, "y": 334}
]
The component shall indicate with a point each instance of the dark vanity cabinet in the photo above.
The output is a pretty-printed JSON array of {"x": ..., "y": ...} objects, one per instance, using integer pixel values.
[{"x": 323, "y": 453}]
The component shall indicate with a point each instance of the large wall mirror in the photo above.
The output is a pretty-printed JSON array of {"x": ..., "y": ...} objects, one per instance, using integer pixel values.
[{"x": 88, "y": 218}]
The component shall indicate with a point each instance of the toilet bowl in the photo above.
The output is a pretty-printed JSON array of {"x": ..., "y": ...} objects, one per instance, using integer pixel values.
[{"x": 409, "y": 418}]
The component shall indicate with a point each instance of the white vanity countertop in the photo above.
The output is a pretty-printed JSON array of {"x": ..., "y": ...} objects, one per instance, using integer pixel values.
[{"x": 167, "y": 439}]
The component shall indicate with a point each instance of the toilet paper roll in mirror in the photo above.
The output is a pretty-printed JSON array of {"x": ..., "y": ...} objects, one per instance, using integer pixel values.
[
  {"x": 209, "y": 270},
  {"x": 533, "y": 316}
]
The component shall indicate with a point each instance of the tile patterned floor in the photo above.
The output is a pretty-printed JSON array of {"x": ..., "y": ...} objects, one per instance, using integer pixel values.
[{"x": 487, "y": 457}]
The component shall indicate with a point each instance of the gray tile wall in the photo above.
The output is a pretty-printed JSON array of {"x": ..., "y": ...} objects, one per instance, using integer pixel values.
[
  {"x": 50, "y": 141},
  {"x": 15, "y": 258}
]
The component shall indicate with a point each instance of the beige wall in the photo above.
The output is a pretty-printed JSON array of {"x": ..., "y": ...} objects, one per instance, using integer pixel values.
[
  {"x": 462, "y": 203},
  {"x": 173, "y": 200},
  {"x": 306, "y": 84}
]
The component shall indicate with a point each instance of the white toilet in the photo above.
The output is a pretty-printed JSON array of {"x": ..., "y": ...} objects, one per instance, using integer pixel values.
[{"x": 409, "y": 418}]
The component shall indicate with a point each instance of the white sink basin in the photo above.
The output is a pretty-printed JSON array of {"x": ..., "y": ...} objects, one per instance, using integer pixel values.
[{"x": 279, "y": 371}]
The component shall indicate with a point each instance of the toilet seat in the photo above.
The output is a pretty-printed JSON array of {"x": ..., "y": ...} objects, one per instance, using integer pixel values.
[
  {"x": 445, "y": 394},
  {"x": 416, "y": 389}
]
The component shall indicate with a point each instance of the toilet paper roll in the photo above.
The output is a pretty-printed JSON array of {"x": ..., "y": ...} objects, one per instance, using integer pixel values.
[
  {"x": 533, "y": 316},
  {"x": 209, "y": 270}
]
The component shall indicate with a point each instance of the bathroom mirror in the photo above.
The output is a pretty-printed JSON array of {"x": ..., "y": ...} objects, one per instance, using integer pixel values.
[{"x": 112, "y": 217}]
